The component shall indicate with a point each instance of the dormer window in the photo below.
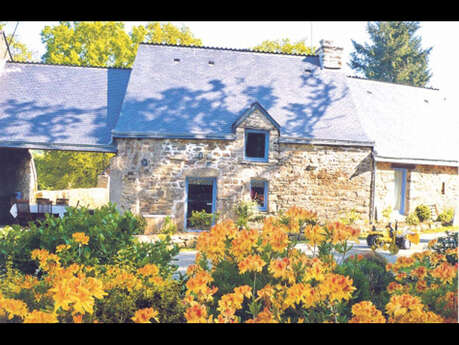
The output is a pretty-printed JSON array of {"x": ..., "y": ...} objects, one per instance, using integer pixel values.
[{"x": 256, "y": 145}]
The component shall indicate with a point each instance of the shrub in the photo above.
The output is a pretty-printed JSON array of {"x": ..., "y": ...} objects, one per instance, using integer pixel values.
[
  {"x": 446, "y": 217},
  {"x": 245, "y": 212},
  {"x": 370, "y": 278},
  {"x": 109, "y": 232},
  {"x": 168, "y": 227},
  {"x": 202, "y": 220},
  {"x": 81, "y": 293},
  {"x": 423, "y": 212},
  {"x": 412, "y": 219},
  {"x": 258, "y": 276},
  {"x": 446, "y": 245}
]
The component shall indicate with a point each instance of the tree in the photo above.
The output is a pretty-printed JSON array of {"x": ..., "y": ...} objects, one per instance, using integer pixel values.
[
  {"x": 395, "y": 54},
  {"x": 18, "y": 50},
  {"x": 106, "y": 44},
  {"x": 285, "y": 46},
  {"x": 102, "y": 44},
  {"x": 67, "y": 169}
]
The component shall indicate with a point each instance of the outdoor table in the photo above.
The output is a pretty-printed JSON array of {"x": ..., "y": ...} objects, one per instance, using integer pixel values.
[{"x": 56, "y": 209}]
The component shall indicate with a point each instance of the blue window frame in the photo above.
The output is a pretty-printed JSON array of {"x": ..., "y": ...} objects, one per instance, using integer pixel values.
[
  {"x": 198, "y": 200},
  {"x": 259, "y": 193},
  {"x": 256, "y": 145}
]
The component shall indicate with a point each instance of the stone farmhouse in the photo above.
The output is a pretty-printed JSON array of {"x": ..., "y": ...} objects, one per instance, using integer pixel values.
[{"x": 198, "y": 128}]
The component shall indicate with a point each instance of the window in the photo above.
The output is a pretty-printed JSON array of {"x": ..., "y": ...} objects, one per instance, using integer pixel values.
[
  {"x": 259, "y": 193},
  {"x": 256, "y": 145},
  {"x": 443, "y": 188}
]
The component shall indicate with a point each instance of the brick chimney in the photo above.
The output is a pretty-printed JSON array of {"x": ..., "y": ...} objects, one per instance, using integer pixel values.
[{"x": 330, "y": 55}]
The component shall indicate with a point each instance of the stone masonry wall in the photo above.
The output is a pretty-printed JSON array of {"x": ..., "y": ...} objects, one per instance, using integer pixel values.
[
  {"x": 331, "y": 180},
  {"x": 424, "y": 186}
]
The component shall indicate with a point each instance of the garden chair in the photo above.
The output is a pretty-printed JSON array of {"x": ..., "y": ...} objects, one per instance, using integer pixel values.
[
  {"x": 44, "y": 206},
  {"x": 62, "y": 201},
  {"x": 23, "y": 212}
]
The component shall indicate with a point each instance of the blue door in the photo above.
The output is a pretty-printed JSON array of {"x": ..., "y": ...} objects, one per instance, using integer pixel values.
[{"x": 200, "y": 196}]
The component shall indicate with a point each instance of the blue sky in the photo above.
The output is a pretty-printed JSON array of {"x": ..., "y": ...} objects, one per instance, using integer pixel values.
[{"x": 233, "y": 34}]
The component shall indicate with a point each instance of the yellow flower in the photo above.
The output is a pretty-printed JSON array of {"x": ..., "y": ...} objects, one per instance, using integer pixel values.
[
  {"x": 80, "y": 237},
  {"x": 145, "y": 315},
  {"x": 366, "y": 312}
]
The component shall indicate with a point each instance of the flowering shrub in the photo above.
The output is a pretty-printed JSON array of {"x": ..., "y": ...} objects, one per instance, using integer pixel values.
[
  {"x": 258, "y": 275},
  {"x": 425, "y": 288},
  {"x": 82, "y": 293}
]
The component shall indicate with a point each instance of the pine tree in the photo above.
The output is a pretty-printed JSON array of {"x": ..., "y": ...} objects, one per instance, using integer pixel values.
[{"x": 395, "y": 54}]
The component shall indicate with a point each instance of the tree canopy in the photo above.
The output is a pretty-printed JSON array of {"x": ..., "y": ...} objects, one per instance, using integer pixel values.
[
  {"x": 106, "y": 44},
  {"x": 394, "y": 55},
  {"x": 285, "y": 46}
]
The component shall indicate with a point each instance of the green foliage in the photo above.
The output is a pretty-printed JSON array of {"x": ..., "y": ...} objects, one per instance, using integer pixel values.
[
  {"x": 202, "y": 220},
  {"x": 387, "y": 212},
  {"x": 446, "y": 217},
  {"x": 138, "y": 254},
  {"x": 447, "y": 243},
  {"x": 111, "y": 240},
  {"x": 168, "y": 227},
  {"x": 285, "y": 46},
  {"x": 350, "y": 218},
  {"x": 371, "y": 279},
  {"x": 412, "y": 219},
  {"x": 66, "y": 169},
  {"x": 423, "y": 212},
  {"x": 120, "y": 304},
  {"x": 245, "y": 212},
  {"x": 395, "y": 54},
  {"x": 106, "y": 44}
]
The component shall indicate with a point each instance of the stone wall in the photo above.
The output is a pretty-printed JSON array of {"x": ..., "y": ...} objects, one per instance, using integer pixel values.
[
  {"x": 424, "y": 186},
  {"x": 89, "y": 197},
  {"x": 331, "y": 180},
  {"x": 16, "y": 175}
]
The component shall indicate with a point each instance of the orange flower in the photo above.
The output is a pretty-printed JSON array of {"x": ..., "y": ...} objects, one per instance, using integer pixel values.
[
  {"x": 13, "y": 307},
  {"x": 445, "y": 272},
  {"x": 266, "y": 316},
  {"x": 62, "y": 247},
  {"x": 145, "y": 315},
  {"x": 149, "y": 270},
  {"x": 37, "y": 316},
  {"x": 337, "y": 287},
  {"x": 251, "y": 263},
  {"x": 394, "y": 287},
  {"x": 366, "y": 312},
  {"x": 80, "y": 238},
  {"x": 196, "y": 314}
]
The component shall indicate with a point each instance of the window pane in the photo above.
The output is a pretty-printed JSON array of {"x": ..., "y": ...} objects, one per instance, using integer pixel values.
[
  {"x": 255, "y": 145},
  {"x": 257, "y": 192}
]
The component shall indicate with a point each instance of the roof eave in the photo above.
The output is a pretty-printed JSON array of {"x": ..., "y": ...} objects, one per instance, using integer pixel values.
[{"x": 420, "y": 161}]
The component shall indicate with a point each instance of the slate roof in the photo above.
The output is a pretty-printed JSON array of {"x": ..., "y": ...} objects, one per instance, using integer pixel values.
[
  {"x": 59, "y": 106},
  {"x": 407, "y": 123},
  {"x": 201, "y": 92},
  {"x": 177, "y": 91}
]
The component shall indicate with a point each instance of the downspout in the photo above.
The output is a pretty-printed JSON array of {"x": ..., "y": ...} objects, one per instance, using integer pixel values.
[{"x": 372, "y": 186}]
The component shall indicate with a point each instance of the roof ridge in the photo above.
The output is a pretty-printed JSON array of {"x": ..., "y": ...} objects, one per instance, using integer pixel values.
[
  {"x": 389, "y": 82},
  {"x": 243, "y": 50},
  {"x": 64, "y": 65}
]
